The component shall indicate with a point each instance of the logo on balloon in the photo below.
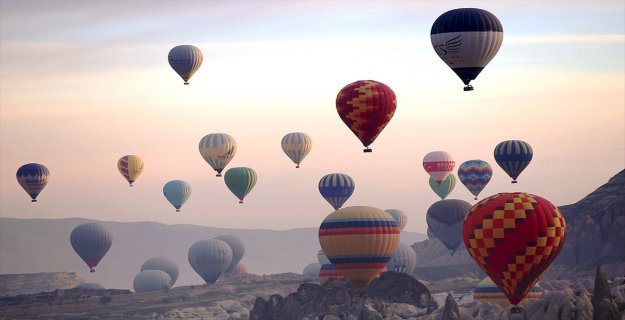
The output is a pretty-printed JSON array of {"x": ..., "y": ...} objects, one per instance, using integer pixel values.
[{"x": 451, "y": 46}]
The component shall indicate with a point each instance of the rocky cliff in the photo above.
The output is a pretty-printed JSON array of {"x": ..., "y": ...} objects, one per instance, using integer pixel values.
[{"x": 15, "y": 284}]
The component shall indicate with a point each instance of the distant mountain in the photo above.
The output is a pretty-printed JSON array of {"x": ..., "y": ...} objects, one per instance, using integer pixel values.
[{"x": 42, "y": 245}]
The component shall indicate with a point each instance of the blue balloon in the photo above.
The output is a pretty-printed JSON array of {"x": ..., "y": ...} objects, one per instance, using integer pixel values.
[
  {"x": 33, "y": 177},
  {"x": 336, "y": 188}
]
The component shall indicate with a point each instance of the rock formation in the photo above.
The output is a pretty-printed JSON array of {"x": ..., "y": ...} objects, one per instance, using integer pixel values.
[{"x": 602, "y": 302}]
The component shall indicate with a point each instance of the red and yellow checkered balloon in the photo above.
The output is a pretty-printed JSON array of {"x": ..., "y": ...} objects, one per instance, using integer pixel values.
[
  {"x": 514, "y": 238},
  {"x": 366, "y": 107}
]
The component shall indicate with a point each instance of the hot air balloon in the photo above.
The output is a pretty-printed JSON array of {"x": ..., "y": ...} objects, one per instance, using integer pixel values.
[
  {"x": 33, "y": 177},
  {"x": 475, "y": 175},
  {"x": 438, "y": 164},
  {"x": 152, "y": 281},
  {"x": 359, "y": 241},
  {"x": 487, "y": 291},
  {"x": 239, "y": 271},
  {"x": 328, "y": 271},
  {"x": 336, "y": 188},
  {"x": 185, "y": 60},
  {"x": 430, "y": 234},
  {"x": 311, "y": 271},
  {"x": 162, "y": 264},
  {"x": 177, "y": 193},
  {"x": 467, "y": 39},
  {"x": 366, "y": 107},
  {"x": 321, "y": 257},
  {"x": 240, "y": 181},
  {"x": 210, "y": 258},
  {"x": 91, "y": 241},
  {"x": 236, "y": 245},
  {"x": 514, "y": 237},
  {"x": 296, "y": 145},
  {"x": 403, "y": 260},
  {"x": 400, "y": 217},
  {"x": 130, "y": 167},
  {"x": 218, "y": 149},
  {"x": 445, "y": 188},
  {"x": 513, "y": 156},
  {"x": 445, "y": 218}
]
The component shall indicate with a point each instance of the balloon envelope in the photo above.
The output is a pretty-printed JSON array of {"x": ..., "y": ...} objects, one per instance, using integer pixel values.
[
  {"x": 91, "y": 241},
  {"x": 513, "y": 156},
  {"x": 130, "y": 167},
  {"x": 33, "y": 177},
  {"x": 475, "y": 175},
  {"x": 177, "y": 192},
  {"x": 151, "y": 281},
  {"x": 487, "y": 291},
  {"x": 185, "y": 60},
  {"x": 467, "y": 39},
  {"x": 240, "y": 181},
  {"x": 218, "y": 149},
  {"x": 237, "y": 246},
  {"x": 514, "y": 238},
  {"x": 210, "y": 258},
  {"x": 239, "y": 271},
  {"x": 445, "y": 188},
  {"x": 366, "y": 107},
  {"x": 438, "y": 164},
  {"x": 296, "y": 145},
  {"x": 400, "y": 217},
  {"x": 328, "y": 271},
  {"x": 336, "y": 188},
  {"x": 162, "y": 264},
  {"x": 403, "y": 260},
  {"x": 359, "y": 241},
  {"x": 445, "y": 218}
]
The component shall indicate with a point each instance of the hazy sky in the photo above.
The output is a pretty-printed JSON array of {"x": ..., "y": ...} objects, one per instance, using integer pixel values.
[{"x": 83, "y": 83}]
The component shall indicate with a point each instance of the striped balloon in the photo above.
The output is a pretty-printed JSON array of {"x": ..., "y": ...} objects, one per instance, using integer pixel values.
[
  {"x": 177, "y": 192},
  {"x": 33, "y": 177},
  {"x": 475, "y": 175},
  {"x": 513, "y": 156},
  {"x": 366, "y": 107},
  {"x": 487, "y": 291},
  {"x": 336, "y": 188},
  {"x": 130, "y": 167},
  {"x": 359, "y": 241},
  {"x": 296, "y": 145},
  {"x": 445, "y": 218},
  {"x": 240, "y": 181},
  {"x": 467, "y": 39},
  {"x": 445, "y": 188},
  {"x": 91, "y": 241},
  {"x": 400, "y": 217},
  {"x": 185, "y": 60},
  {"x": 328, "y": 271},
  {"x": 218, "y": 149},
  {"x": 438, "y": 164}
]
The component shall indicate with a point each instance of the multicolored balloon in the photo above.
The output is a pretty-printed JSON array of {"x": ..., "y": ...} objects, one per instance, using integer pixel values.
[
  {"x": 185, "y": 60},
  {"x": 240, "y": 181},
  {"x": 475, "y": 175},
  {"x": 487, "y": 291},
  {"x": 130, "y": 167},
  {"x": 400, "y": 217},
  {"x": 328, "y": 271},
  {"x": 177, "y": 192},
  {"x": 366, "y": 107},
  {"x": 336, "y": 188},
  {"x": 359, "y": 241},
  {"x": 218, "y": 149},
  {"x": 33, "y": 177},
  {"x": 445, "y": 188},
  {"x": 514, "y": 238},
  {"x": 513, "y": 156},
  {"x": 438, "y": 164},
  {"x": 296, "y": 145},
  {"x": 91, "y": 241},
  {"x": 445, "y": 219},
  {"x": 236, "y": 245},
  {"x": 403, "y": 260},
  {"x": 210, "y": 258},
  {"x": 467, "y": 39}
]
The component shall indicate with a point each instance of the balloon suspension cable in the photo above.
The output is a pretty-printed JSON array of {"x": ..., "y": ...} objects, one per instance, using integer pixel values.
[
  {"x": 367, "y": 149},
  {"x": 468, "y": 87},
  {"x": 33, "y": 200}
]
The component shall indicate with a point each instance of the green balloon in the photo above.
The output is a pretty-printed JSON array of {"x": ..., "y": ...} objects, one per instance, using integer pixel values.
[
  {"x": 240, "y": 181},
  {"x": 445, "y": 188}
]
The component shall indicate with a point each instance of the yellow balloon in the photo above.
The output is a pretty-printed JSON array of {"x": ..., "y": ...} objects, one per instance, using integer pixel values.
[{"x": 130, "y": 167}]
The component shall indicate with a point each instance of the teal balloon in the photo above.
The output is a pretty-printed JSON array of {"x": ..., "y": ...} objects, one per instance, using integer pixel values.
[
  {"x": 177, "y": 193},
  {"x": 240, "y": 181},
  {"x": 445, "y": 188}
]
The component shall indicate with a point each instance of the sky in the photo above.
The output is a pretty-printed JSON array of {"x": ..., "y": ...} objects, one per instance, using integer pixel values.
[{"x": 85, "y": 83}]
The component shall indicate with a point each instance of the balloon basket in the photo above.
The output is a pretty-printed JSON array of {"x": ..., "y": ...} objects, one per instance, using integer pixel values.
[
  {"x": 475, "y": 198},
  {"x": 366, "y": 150},
  {"x": 297, "y": 166},
  {"x": 218, "y": 175},
  {"x": 468, "y": 87},
  {"x": 177, "y": 210},
  {"x": 91, "y": 270},
  {"x": 186, "y": 83},
  {"x": 514, "y": 181},
  {"x": 240, "y": 201},
  {"x": 33, "y": 200},
  {"x": 516, "y": 310}
]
